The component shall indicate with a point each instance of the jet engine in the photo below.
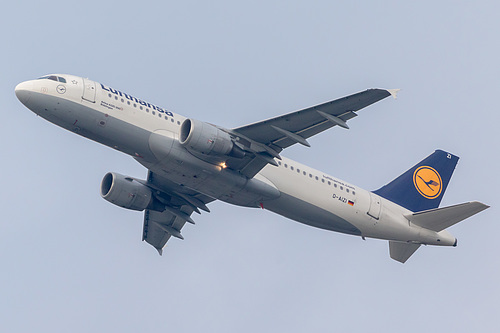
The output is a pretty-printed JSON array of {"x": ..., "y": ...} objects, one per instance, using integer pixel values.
[
  {"x": 126, "y": 192},
  {"x": 206, "y": 139}
]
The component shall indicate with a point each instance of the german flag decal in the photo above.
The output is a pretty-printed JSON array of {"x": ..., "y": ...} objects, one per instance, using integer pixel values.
[{"x": 351, "y": 203}]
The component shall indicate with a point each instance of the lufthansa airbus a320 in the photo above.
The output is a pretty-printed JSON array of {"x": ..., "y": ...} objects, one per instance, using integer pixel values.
[{"x": 192, "y": 163}]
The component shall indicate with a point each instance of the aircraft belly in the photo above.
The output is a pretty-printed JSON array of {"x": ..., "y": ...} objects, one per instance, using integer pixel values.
[
  {"x": 307, "y": 213},
  {"x": 213, "y": 181}
]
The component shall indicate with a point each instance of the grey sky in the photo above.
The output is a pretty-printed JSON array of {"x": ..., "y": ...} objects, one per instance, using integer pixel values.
[{"x": 73, "y": 262}]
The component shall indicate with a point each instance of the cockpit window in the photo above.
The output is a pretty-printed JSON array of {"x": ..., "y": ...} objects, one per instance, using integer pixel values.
[{"x": 53, "y": 78}]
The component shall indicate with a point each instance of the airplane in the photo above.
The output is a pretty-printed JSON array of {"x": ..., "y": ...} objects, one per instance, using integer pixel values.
[{"x": 192, "y": 163}]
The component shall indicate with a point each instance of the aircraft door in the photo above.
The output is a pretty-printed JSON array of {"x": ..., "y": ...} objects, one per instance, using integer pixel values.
[
  {"x": 375, "y": 206},
  {"x": 89, "y": 90}
]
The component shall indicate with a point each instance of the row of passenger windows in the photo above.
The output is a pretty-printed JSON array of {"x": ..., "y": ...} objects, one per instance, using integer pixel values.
[
  {"x": 53, "y": 78},
  {"x": 317, "y": 178},
  {"x": 153, "y": 112}
]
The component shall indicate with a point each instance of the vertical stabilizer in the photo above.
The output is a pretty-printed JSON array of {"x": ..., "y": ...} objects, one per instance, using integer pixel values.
[{"x": 422, "y": 187}]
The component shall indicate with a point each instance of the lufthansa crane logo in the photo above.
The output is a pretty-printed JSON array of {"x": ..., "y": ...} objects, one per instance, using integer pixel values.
[
  {"x": 61, "y": 89},
  {"x": 428, "y": 182}
]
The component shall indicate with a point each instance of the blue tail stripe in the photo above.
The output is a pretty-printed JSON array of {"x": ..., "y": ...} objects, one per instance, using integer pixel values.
[{"x": 423, "y": 186}]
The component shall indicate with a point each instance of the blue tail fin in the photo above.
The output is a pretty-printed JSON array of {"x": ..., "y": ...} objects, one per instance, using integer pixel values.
[{"x": 422, "y": 187}]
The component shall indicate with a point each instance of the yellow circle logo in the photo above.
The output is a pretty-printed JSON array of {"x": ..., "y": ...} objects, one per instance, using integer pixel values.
[{"x": 428, "y": 182}]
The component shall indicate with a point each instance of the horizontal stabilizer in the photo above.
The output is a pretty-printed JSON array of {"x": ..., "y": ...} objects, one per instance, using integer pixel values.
[
  {"x": 441, "y": 218},
  {"x": 402, "y": 251}
]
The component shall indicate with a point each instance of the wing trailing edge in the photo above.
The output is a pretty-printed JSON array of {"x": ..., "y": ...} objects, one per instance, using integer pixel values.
[{"x": 263, "y": 141}]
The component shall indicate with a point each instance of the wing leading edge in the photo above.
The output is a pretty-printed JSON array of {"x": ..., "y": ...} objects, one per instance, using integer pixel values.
[{"x": 311, "y": 121}]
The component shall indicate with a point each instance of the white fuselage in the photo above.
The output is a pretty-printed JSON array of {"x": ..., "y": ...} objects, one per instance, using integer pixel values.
[{"x": 150, "y": 134}]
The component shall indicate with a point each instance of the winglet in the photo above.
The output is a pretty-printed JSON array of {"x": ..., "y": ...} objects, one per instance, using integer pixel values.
[{"x": 393, "y": 92}]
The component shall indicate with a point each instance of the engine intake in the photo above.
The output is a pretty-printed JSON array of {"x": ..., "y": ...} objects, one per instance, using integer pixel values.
[
  {"x": 126, "y": 192},
  {"x": 206, "y": 139}
]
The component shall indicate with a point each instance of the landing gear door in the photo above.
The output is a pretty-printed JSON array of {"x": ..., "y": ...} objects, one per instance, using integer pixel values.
[
  {"x": 375, "y": 206},
  {"x": 89, "y": 90}
]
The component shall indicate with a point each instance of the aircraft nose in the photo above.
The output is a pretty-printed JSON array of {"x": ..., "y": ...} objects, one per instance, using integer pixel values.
[{"x": 23, "y": 91}]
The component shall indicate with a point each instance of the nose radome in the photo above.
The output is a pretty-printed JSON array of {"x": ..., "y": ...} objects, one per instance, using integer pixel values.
[{"x": 23, "y": 91}]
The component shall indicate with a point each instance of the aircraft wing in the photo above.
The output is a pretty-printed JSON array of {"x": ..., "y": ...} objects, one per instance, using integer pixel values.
[
  {"x": 266, "y": 139},
  {"x": 160, "y": 226}
]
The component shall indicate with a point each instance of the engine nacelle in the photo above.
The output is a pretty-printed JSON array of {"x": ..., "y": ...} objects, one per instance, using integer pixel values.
[
  {"x": 207, "y": 139},
  {"x": 125, "y": 192}
]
